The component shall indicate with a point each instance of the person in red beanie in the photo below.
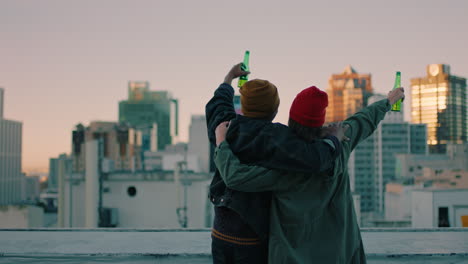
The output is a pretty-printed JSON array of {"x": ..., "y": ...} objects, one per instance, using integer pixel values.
[{"x": 312, "y": 217}]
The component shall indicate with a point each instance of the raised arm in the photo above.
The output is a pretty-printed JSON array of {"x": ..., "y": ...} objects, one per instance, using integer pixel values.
[
  {"x": 363, "y": 123},
  {"x": 221, "y": 107}
]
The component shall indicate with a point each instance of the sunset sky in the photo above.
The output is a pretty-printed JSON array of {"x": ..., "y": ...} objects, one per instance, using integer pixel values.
[{"x": 65, "y": 62}]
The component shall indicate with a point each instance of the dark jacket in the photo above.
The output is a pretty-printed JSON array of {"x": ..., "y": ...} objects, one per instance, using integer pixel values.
[
  {"x": 312, "y": 216},
  {"x": 261, "y": 142}
]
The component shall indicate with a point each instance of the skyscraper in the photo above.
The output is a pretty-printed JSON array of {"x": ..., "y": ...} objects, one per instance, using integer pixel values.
[
  {"x": 52, "y": 180},
  {"x": 347, "y": 93},
  {"x": 11, "y": 178},
  {"x": 439, "y": 100},
  {"x": 198, "y": 141},
  {"x": 372, "y": 164},
  {"x": 1, "y": 102},
  {"x": 145, "y": 108}
]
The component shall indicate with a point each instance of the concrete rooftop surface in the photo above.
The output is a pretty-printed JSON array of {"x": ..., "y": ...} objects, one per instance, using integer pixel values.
[{"x": 448, "y": 245}]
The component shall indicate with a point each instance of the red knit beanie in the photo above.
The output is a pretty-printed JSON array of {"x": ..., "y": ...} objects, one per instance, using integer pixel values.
[{"x": 308, "y": 108}]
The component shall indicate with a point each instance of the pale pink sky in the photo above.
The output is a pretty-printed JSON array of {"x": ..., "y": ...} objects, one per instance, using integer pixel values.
[{"x": 65, "y": 62}]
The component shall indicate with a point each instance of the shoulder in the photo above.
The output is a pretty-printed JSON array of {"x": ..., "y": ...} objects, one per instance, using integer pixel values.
[
  {"x": 243, "y": 122},
  {"x": 279, "y": 125},
  {"x": 278, "y": 128}
]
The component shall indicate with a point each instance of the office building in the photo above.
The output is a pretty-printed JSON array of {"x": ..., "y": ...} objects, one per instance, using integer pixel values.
[
  {"x": 348, "y": 92},
  {"x": 411, "y": 166},
  {"x": 11, "y": 178},
  {"x": 52, "y": 180},
  {"x": 30, "y": 189},
  {"x": 196, "y": 153},
  {"x": 372, "y": 164},
  {"x": 361, "y": 167},
  {"x": 169, "y": 158},
  {"x": 154, "y": 113},
  {"x": 443, "y": 179},
  {"x": 439, "y": 100},
  {"x": 198, "y": 141},
  {"x": 2, "y": 93}
]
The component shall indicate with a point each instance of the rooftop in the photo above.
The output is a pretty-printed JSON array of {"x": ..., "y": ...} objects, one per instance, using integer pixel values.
[
  {"x": 447, "y": 245},
  {"x": 440, "y": 190},
  {"x": 349, "y": 70}
]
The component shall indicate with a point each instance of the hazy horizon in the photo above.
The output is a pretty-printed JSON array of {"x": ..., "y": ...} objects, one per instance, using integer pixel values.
[{"x": 69, "y": 62}]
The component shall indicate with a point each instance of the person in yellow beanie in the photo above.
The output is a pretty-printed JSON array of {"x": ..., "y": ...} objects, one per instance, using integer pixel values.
[{"x": 240, "y": 229}]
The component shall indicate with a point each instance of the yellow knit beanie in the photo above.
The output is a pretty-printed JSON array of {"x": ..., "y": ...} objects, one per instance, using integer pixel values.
[{"x": 259, "y": 98}]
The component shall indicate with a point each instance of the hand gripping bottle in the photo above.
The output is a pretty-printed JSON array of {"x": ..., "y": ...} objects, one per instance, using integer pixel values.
[
  {"x": 245, "y": 67},
  {"x": 397, "y": 105}
]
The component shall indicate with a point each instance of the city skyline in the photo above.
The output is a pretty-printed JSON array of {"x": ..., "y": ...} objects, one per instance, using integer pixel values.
[{"x": 68, "y": 63}]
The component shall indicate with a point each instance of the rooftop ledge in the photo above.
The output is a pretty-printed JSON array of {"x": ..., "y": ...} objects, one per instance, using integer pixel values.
[{"x": 193, "y": 245}]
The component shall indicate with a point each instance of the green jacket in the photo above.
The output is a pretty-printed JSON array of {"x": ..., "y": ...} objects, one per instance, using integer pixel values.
[{"x": 312, "y": 217}]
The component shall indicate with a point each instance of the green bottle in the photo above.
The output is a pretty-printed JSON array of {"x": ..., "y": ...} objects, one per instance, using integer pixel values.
[
  {"x": 245, "y": 67},
  {"x": 397, "y": 105}
]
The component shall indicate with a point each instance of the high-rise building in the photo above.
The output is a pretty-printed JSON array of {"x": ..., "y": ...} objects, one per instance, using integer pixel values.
[
  {"x": 63, "y": 171},
  {"x": 1, "y": 102},
  {"x": 347, "y": 93},
  {"x": 30, "y": 187},
  {"x": 439, "y": 100},
  {"x": 361, "y": 168},
  {"x": 145, "y": 108},
  {"x": 198, "y": 141},
  {"x": 372, "y": 164},
  {"x": 11, "y": 178},
  {"x": 52, "y": 179}
]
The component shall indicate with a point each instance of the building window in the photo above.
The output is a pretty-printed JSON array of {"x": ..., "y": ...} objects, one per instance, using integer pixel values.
[
  {"x": 443, "y": 217},
  {"x": 131, "y": 191}
]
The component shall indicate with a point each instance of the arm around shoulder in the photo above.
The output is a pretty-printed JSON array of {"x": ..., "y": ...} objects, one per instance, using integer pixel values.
[
  {"x": 291, "y": 153},
  {"x": 244, "y": 177}
]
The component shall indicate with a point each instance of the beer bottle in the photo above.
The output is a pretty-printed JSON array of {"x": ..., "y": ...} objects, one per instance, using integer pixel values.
[
  {"x": 245, "y": 67},
  {"x": 397, "y": 105}
]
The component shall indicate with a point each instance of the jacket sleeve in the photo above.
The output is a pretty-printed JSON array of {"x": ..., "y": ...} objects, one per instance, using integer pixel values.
[
  {"x": 290, "y": 153},
  {"x": 248, "y": 178},
  {"x": 365, "y": 122},
  {"x": 219, "y": 109}
]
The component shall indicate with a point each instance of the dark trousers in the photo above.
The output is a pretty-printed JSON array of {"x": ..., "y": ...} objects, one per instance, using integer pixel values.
[{"x": 227, "y": 253}]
